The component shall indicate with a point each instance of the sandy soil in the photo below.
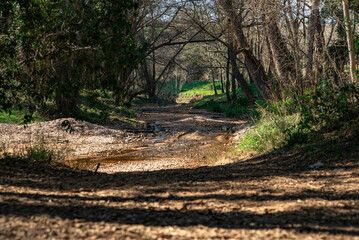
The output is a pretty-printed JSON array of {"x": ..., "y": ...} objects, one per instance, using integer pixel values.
[
  {"x": 266, "y": 197},
  {"x": 164, "y": 138}
]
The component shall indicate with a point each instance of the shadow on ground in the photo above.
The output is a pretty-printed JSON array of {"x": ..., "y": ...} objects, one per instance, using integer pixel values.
[{"x": 266, "y": 192}]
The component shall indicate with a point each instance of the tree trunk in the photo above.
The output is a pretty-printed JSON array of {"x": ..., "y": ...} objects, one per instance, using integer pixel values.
[
  {"x": 227, "y": 76},
  {"x": 255, "y": 68},
  {"x": 348, "y": 29},
  {"x": 233, "y": 84},
  {"x": 314, "y": 18},
  {"x": 233, "y": 87},
  {"x": 240, "y": 79},
  {"x": 152, "y": 84},
  {"x": 222, "y": 85},
  {"x": 319, "y": 45},
  {"x": 282, "y": 60},
  {"x": 148, "y": 78},
  {"x": 67, "y": 92},
  {"x": 271, "y": 74},
  {"x": 249, "y": 75},
  {"x": 121, "y": 91},
  {"x": 214, "y": 82},
  {"x": 293, "y": 25}
]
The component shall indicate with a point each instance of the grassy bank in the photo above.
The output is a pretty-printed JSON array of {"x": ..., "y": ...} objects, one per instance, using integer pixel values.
[{"x": 322, "y": 115}]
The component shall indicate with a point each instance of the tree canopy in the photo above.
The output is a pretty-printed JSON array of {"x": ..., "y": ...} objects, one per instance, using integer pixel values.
[{"x": 52, "y": 50}]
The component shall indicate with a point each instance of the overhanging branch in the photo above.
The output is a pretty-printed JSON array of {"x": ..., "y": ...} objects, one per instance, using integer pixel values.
[{"x": 179, "y": 43}]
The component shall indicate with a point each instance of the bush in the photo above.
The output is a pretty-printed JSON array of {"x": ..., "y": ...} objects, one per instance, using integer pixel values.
[
  {"x": 327, "y": 108},
  {"x": 241, "y": 101},
  {"x": 242, "y": 107},
  {"x": 214, "y": 106}
]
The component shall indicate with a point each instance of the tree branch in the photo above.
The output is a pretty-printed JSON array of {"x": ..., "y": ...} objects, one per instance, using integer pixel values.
[{"x": 179, "y": 43}]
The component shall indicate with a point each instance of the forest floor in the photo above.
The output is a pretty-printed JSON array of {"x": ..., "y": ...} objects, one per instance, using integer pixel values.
[{"x": 172, "y": 179}]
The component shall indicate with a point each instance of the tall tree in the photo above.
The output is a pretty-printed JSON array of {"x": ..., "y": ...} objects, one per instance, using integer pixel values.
[
  {"x": 314, "y": 43},
  {"x": 282, "y": 59},
  {"x": 255, "y": 68},
  {"x": 349, "y": 33},
  {"x": 239, "y": 76}
]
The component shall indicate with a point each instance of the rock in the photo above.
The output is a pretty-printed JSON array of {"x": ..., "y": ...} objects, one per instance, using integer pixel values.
[{"x": 316, "y": 165}]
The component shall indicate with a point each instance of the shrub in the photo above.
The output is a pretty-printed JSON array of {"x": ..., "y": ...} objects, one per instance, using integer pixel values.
[
  {"x": 327, "y": 108},
  {"x": 241, "y": 101},
  {"x": 277, "y": 125},
  {"x": 214, "y": 106}
]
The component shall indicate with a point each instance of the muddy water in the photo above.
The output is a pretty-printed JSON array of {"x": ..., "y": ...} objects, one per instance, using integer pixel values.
[
  {"x": 186, "y": 150},
  {"x": 158, "y": 148},
  {"x": 125, "y": 156}
]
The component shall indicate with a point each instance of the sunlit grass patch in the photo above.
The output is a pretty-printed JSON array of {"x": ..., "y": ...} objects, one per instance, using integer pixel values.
[
  {"x": 15, "y": 117},
  {"x": 269, "y": 133}
]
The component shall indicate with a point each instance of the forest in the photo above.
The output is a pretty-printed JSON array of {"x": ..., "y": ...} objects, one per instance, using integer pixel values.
[{"x": 179, "y": 119}]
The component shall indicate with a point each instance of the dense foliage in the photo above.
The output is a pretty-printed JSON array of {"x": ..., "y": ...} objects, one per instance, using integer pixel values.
[
  {"x": 50, "y": 50},
  {"x": 330, "y": 108},
  {"x": 66, "y": 57}
]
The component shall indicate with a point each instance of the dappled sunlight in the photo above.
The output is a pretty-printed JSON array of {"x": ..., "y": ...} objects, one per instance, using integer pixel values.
[
  {"x": 248, "y": 195},
  {"x": 167, "y": 119}
]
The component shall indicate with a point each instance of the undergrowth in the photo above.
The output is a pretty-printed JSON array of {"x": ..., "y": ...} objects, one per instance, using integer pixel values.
[
  {"x": 99, "y": 107},
  {"x": 39, "y": 147},
  {"x": 32, "y": 154},
  {"x": 269, "y": 133},
  {"x": 241, "y": 107},
  {"x": 305, "y": 118}
]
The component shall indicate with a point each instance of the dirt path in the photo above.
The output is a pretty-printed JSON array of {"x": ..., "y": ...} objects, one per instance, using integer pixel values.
[{"x": 267, "y": 197}]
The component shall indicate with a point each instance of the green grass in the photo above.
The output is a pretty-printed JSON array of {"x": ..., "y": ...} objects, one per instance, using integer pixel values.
[
  {"x": 241, "y": 107},
  {"x": 94, "y": 106},
  {"x": 34, "y": 154},
  {"x": 100, "y": 107},
  {"x": 326, "y": 112},
  {"x": 217, "y": 103},
  {"x": 276, "y": 126},
  {"x": 191, "y": 88},
  {"x": 208, "y": 99},
  {"x": 269, "y": 133},
  {"x": 200, "y": 87},
  {"x": 17, "y": 117}
]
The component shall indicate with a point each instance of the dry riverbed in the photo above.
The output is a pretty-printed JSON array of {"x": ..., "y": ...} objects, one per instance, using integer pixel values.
[
  {"x": 164, "y": 138},
  {"x": 173, "y": 181}
]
